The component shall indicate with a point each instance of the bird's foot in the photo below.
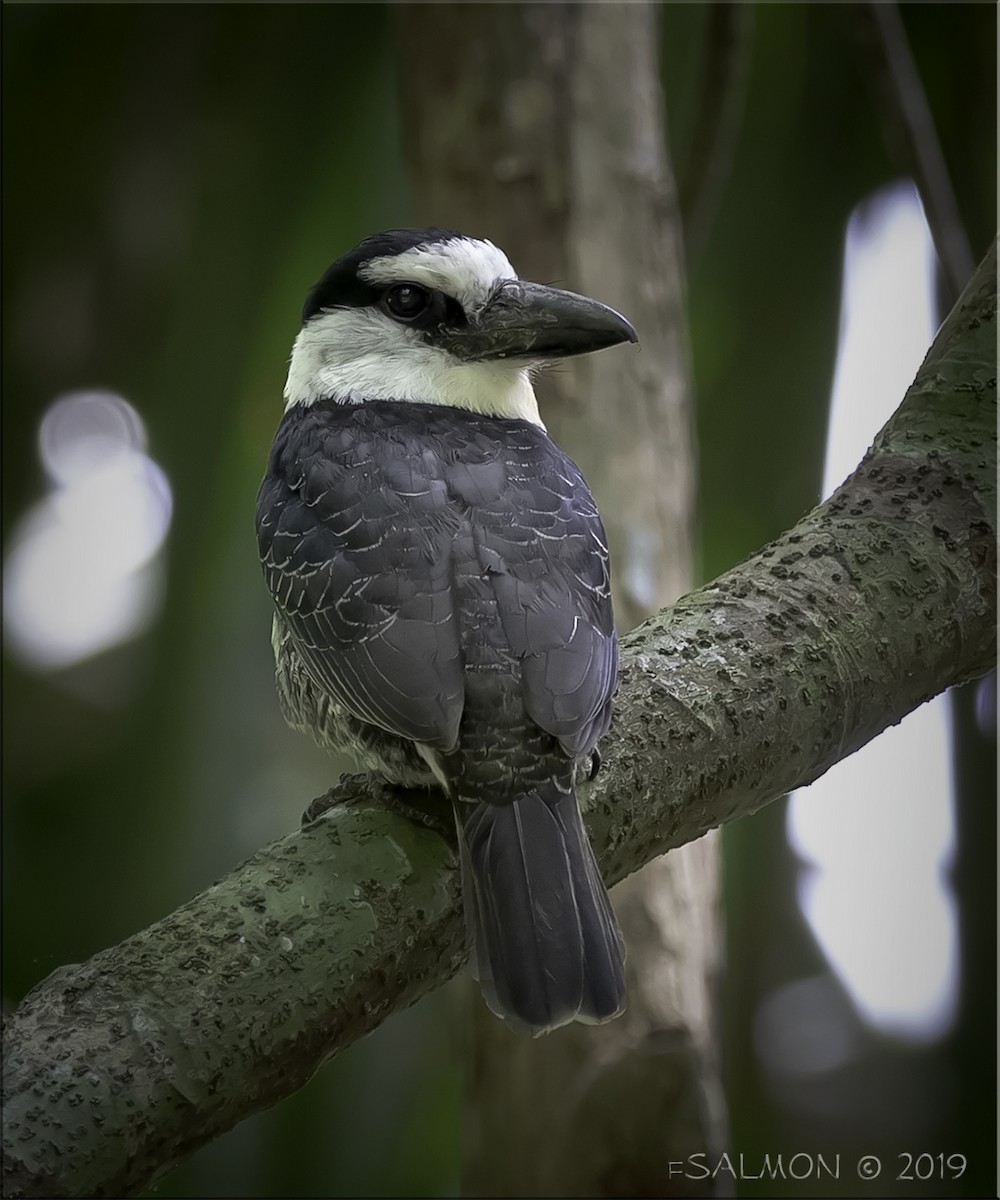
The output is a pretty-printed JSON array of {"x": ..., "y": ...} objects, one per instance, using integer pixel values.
[
  {"x": 427, "y": 806},
  {"x": 318, "y": 807},
  {"x": 350, "y": 789}
]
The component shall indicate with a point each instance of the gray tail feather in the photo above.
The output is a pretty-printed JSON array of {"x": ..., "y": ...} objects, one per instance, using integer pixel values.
[{"x": 547, "y": 945}]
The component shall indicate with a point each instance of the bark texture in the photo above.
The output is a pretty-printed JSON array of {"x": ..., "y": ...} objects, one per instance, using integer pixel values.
[
  {"x": 754, "y": 685},
  {"x": 542, "y": 127}
]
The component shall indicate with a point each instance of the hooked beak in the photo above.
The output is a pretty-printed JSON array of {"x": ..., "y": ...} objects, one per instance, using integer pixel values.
[{"x": 528, "y": 320}]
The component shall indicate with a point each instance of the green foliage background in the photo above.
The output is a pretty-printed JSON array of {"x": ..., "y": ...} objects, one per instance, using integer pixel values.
[{"x": 175, "y": 177}]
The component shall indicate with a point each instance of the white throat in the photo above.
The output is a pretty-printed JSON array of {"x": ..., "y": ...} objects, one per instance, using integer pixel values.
[{"x": 352, "y": 355}]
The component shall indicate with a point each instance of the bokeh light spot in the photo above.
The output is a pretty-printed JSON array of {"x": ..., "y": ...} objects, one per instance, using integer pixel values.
[
  {"x": 81, "y": 573},
  {"x": 876, "y": 832}
]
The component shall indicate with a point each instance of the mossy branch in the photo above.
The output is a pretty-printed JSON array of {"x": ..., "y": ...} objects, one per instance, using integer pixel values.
[{"x": 756, "y": 684}]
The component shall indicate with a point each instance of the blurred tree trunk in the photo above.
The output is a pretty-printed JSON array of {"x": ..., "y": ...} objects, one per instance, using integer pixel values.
[{"x": 541, "y": 127}]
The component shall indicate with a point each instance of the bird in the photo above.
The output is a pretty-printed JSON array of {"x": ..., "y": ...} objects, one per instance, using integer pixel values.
[{"x": 441, "y": 588}]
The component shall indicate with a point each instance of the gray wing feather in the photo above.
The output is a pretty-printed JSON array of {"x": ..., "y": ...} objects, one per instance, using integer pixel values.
[
  {"x": 362, "y": 541},
  {"x": 366, "y": 595},
  {"x": 550, "y": 573}
]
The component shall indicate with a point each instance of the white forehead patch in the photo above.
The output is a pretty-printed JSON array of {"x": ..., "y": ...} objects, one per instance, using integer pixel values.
[{"x": 465, "y": 268}]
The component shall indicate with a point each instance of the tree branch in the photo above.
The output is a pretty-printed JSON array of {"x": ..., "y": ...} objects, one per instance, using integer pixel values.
[
  {"x": 712, "y": 144},
  {"x": 754, "y": 685},
  {"x": 909, "y": 127}
]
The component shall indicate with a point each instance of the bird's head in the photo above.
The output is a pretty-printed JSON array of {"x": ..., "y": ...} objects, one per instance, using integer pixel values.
[{"x": 436, "y": 317}]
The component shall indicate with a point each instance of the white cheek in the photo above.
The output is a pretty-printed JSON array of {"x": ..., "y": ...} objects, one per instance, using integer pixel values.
[{"x": 352, "y": 356}]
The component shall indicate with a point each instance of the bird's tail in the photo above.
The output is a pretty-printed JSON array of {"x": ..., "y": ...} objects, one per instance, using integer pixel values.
[{"x": 547, "y": 945}]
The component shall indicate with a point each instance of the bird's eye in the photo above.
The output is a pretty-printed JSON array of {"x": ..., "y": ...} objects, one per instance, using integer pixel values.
[{"x": 406, "y": 301}]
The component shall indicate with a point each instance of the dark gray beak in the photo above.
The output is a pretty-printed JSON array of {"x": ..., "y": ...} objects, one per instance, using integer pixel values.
[{"x": 528, "y": 320}]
